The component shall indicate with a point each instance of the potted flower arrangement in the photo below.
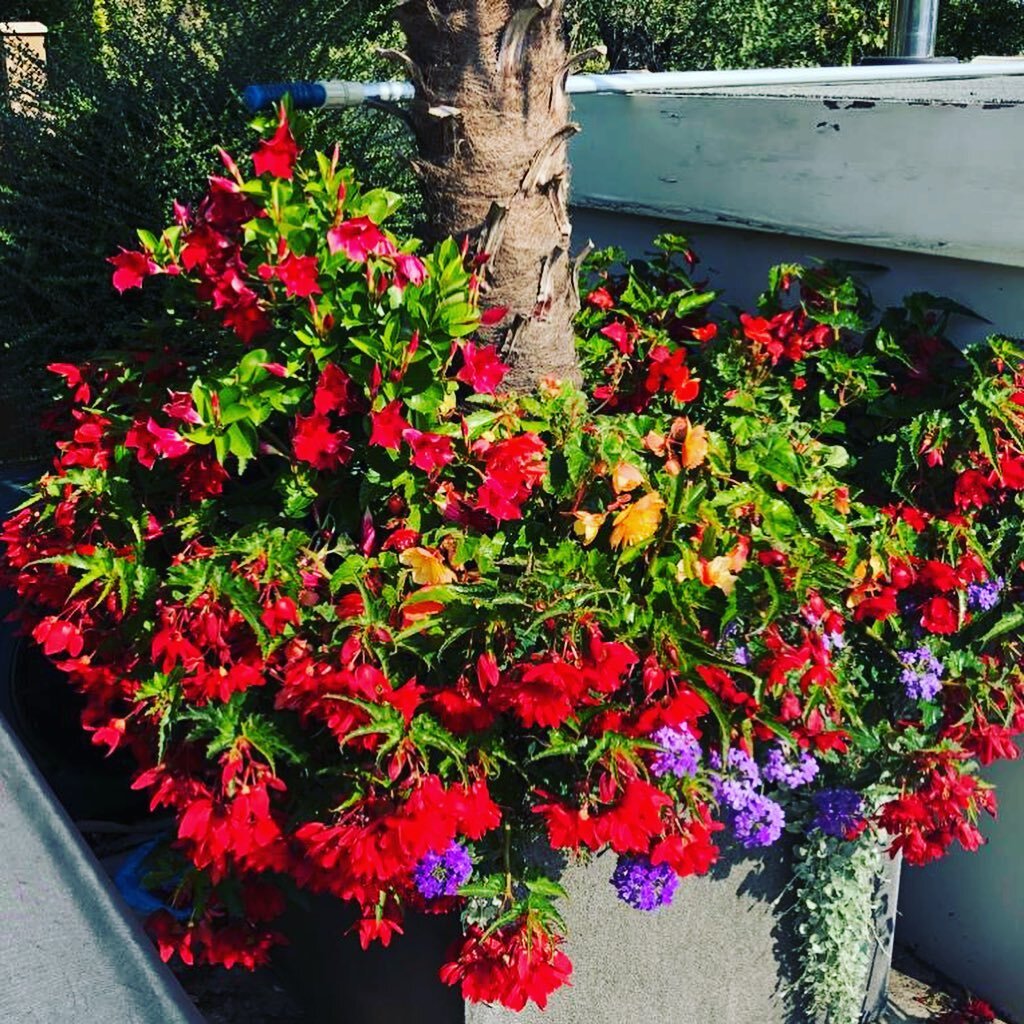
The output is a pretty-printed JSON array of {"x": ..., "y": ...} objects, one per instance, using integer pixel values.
[{"x": 377, "y": 628}]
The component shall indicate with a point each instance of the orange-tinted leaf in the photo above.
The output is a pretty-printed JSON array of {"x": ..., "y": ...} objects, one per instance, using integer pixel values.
[
  {"x": 626, "y": 477},
  {"x": 587, "y": 524},
  {"x": 637, "y": 522},
  {"x": 695, "y": 447},
  {"x": 427, "y": 567}
]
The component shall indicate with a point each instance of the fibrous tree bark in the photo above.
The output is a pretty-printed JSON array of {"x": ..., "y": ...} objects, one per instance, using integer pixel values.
[{"x": 491, "y": 118}]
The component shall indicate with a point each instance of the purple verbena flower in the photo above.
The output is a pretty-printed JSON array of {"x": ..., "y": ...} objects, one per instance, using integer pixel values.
[
  {"x": 642, "y": 884},
  {"x": 922, "y": 673},
  {"x": 759, "y": 822},
  {"x": 741, "y": 655},
  {"x": 983, "y": 597},
  {"x": 680, "y": 753},
  {"x": 790, "y": 774},
  {"x": 755, "y": 819},
  {"x": 833, "y": 641},
  {"x": 441, "y": 874},
  {"x": 837, "y": 811},
  {"x": 740, "y": 764}
]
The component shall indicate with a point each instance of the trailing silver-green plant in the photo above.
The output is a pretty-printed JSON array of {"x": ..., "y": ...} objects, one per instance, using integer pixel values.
[{"x": 837, "y": 886}]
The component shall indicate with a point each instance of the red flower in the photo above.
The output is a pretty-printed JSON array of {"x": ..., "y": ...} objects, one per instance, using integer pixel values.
[
  {"x": 635, "y": 820},
  {"x": 152, "y": 442},
  {"x": 667, "y": 372},
  {"x": 600, "y": 298},
  {"x": 430, "y": 452},
  {"x": 492, "y": 315},
  {"x": 225, "y": 207},
  {"x": 58, "y": 636},
  {"x": 388, "y": 426},
  {"x": 543, "y": 693},
  {"x": 1011, "y": 469},
  {"x": 925, "y": 823},
  {"x": 276, "y": 156},
  {"x": 705, "y": 333},
  {"x": 374, "y": 927},
  {"x": 513, "y": 467},
  {"x": 74, "y": 377},
  {"x": 110, "y": 734},
  {"x": 131, "y": 268},
  {"x": 723, "y": 684},
  {"x": 298, "y": 274},
  {"x": 481, "y": 369},
  {"x": 913, "y": 517},
  {"x": 201, "y": 475},
  {"x": 316, "y": 443},
  {"x": 181, "y": 407},
  {"x": 608, "y": 664},
  {"x": 89, "y": 445},
  {"x": 879, "y": 607},
  {"x": 691, "y": 850},
  {"x": 358, "y": 239},
  {"x": 246, "y": 316},
  {"x": 938, "y": 615},
  {"x": 569, "y": 828},
  {"x": 279, "y": 614},
  {"x": 624, "y": 337},
  {"x": 336, "y": 392},
  {"x": 972, "y": 489},
  {"x": 512, "y": 966},
  {"x": 224, "y": 681},
  {"x": 474, "y": 810},
  {"x": 991, "y": 742},
  {"x": 409, "y": 269}
]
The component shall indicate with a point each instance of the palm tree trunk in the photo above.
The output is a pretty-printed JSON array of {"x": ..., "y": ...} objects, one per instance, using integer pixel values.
[{"x": 491, "y": 118}]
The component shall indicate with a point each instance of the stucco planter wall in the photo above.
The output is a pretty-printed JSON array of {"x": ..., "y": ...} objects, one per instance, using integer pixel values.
[{"x": 723, "y": 953}]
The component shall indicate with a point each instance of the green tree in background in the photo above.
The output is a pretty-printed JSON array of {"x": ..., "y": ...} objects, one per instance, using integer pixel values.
[
  {"x": 971, "y": 27},
  {"x": 677, "y": 35}
]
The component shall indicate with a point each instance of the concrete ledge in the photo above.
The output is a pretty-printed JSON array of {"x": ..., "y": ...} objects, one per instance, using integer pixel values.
[{"x": 924, "y": 167}]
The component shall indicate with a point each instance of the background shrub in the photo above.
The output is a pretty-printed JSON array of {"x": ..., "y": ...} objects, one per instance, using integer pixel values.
[
  {"x": 139, "y": 95},
  {"x": 676, "y": 35}
]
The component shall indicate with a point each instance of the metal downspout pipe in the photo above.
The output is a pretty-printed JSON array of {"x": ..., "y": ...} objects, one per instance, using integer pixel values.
[{"x": 912, "y": 29}]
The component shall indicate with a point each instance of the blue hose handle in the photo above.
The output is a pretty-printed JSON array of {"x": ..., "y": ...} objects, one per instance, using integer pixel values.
[
  {"x": 305, "y": 95},
  {"x": 128, "y": 881}
]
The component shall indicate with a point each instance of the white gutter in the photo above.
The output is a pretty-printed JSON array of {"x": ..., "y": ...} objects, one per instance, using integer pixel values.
[
  {"x": 673, "y": 81},
  {"x": 334, "y": 94}
]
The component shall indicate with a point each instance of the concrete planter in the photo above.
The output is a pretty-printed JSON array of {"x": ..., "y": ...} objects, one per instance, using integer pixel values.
[{"x": 723, "y": 953}]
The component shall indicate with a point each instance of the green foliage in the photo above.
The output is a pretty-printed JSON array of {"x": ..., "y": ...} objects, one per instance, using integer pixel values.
[
  {"x": 968, "y": 28},
  {"x": 666, "y": 36},
  {"x": 703, "y": 34}
]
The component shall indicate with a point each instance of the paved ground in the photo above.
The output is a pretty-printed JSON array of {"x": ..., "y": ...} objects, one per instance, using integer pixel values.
[{"x": 917, "y": 995}]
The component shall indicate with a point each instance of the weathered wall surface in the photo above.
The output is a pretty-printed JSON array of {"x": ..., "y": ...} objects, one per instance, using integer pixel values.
[{"x": 926, "y": 167}]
